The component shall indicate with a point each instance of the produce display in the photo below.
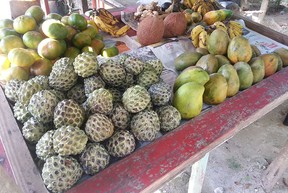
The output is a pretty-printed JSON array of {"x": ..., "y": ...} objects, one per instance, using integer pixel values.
[{"x": 80, "y": 113}]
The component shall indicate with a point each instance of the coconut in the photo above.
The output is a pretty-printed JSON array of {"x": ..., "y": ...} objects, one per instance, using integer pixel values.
[{"x": 174, "y": 24}]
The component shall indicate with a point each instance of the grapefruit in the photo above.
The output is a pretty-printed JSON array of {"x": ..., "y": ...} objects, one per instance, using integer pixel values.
[
  {"x": 31, "y": 39},
  {"x": 21, "y": 57},
  {"x": 91, "y": 31},
  {"x": 24, "y": 23},
  {"x": 72, "y": 52},
  {"x": 108, "y": 52},
  {"x": 6, "y": 23},
  {"x": 64, "y": 19},
  {"x": 81, "y": 40},
  {"x": 6, "y": 32},
  {"x": 71, "y": 32},
  {"x": 15, "y": 72},
  {"x": 77, "y": 21},
  {"x": 97, "y": 45},
  {"x": 54, "y": 16},
  {"x": 50, "y": 48},
  {"x": 41, "y": 66},
  {"x": 10, "y": 42},
  {"x": 53, "y": 28},
  {"x": 36, "y": 12},
  {"x": 34, "y": 54}
]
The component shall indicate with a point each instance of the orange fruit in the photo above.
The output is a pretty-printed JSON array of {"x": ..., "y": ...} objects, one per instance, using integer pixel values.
[
  {"x": 6, "y": 23},
  {"x": 109, "y": 51},
  {"x": 71, "y": 32},
  {"x": 36, "y": 12},
  {"x": 34, "y": 54},
  {"x": 7, "y": 31},
  {"x": 53, "y": 28},
  {"x": 15, "y": 72},
  {"x": 10, "y": 42},
  {"x": 97, "y": 45},
  {"x": 72, "y": 52},
  {"x": 53, "y": 16},
  {"x": 77, "y": 21},
  {"x": 91, "y": 31},
  {"x": 64, "y": 19},
  {"x": 21, "y": 57},
  {"x": 81, "y": 39},
  {"x": 31, "y": 39},
  {"x": 24, "y": 23},
  {"x": 50, "y": 48},
  {"x": 41, "y": 66}
]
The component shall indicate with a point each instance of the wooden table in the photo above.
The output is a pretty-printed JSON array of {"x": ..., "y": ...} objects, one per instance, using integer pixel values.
[{"x": 148, "y": 168}]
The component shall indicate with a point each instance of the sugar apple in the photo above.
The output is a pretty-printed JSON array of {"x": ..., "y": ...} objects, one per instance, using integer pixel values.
[
  {"x": 59, "y": 94},
  {"x": 135, "y": 99},
  {"x": 42, "y": 80},
  {"x": 145, "y": 125},
  {"x": 11, "y": 89},
  {"x": 100, "y": 101},
  {"x": 86, "y": 64},
  {"x": 63, "y": 76},
  {"x": 121, "y": 143},
  {"x": 42, "y": 105},
  {"x": 44, "y": 147},
  {"x": 116, "y": 94},
  {"x": 69, "y": 140},
  {"x": 120, "y": 117},
  {"x": 33, "y": 130},
  {"x": 94, "y": 158},
  {"x": 61, "y": 173},
  {"x": 156, "y": 64},
  {"x": 77, "y": 93},
  {"x": 21, "y": 112},
  {"x": 160, "y": 93},
  {"x": 112, "y": 73},
  {"x": 27, "y": 89},
  {"x": 99, "y": 127},
  {"x": 169, "y": 118},
  {"x": 68, "y": 112},
  {"x": 92, "y": 83},
  {"x": 129, "y": 81},
  {"x": 147, "y": 77},
  {"x": 133, "y": 65}
]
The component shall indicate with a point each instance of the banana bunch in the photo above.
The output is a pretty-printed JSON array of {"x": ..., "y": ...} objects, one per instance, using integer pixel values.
[
  {"x": 203, "y": 6},
  {"x": 189, "y": 3},
  {"x": 219, "y": 25},
  {"x": 108, "y": 23},
  {"x": 199, "y": 36},
  {"x": 234, "y": 29}
]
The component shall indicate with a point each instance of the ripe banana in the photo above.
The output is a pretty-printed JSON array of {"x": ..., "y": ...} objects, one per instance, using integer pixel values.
[
  {"x": 234, "y": 29},
  {"x": 120, "y": 32},
  {"x": 106, "y": 16},
  {"x": 187, "y": 3},
  {"x": 203, "y": 36},
  {"x": 203, "y": 6},
  {"x": 195, "y": 35},
  {"x": 104, "y": 26},
  {"x": 220, "y": 25}
]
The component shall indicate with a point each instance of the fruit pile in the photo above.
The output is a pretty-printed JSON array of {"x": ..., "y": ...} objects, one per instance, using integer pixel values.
[
  {"x": 223, "y": 68},
  {"x": 31, "y": 43}
]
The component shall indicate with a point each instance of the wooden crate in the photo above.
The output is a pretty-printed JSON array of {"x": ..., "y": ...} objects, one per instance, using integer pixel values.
[{"x": 149, "y": 167}]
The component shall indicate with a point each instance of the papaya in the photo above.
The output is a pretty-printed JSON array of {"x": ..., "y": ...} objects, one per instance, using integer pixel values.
[
  {"x": 188, "y": 99},
  {"x": 230, "y": 73},
  {"x": 283, "y": 53},
  {"x": 280, "y": 62},
  {"x": 239, "y": 50},
  {"x": 217, "y": 42},
  {"x": 245, "y": 74},
  {"x": 215, "y": 89},
  {"x": 209, "y": 63},
  {"x": 258, "y": 69},
  {"x": 191, "y": 74},
  {"x": 217, "y": 15},
  {"x": 186, "y": 59},
  {"x": 255, "y": 51},
  {"x": 222, "y": 60},
  {"x": 270, "y": 63}
]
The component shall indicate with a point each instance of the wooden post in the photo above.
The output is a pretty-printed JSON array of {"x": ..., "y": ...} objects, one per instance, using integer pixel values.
[
  {"x": 83, "y": 5},
  {"x": 275, "y": 170},
  {"x": 197, "y": 176}
]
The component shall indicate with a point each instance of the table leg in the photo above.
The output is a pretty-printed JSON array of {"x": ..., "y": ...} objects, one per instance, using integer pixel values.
[{"x": 198, "y": 170}]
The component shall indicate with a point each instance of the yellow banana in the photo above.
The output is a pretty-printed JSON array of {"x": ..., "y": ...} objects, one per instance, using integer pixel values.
[
  {"x": 187, "y": 3},
  {"x": 220, "y": 25},
  {"x": 235, "y": 29},
  {"x": 104, "y": 26},
  {"x": 195, "y": 35},
  {"x": 203, "y": 36},
  {"x": 120, "y": 32},
  {"x": 106, "y": 16}
]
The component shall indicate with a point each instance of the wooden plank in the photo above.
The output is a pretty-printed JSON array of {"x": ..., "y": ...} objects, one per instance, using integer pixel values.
[
  {"x": 82, "y": 5},
  {"x": 197, "y": 176},
  {"x": 25, "y": 172},
  {"x": 45, "y": 6},
  {"x": 156, "y": 163},
  {"x": 275, "y": 170}
]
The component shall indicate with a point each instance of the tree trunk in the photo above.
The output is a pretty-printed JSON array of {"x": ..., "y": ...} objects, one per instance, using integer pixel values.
[{"x": 263, "y": 9}]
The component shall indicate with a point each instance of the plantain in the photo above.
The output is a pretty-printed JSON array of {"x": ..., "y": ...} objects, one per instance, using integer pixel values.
[
  {"x": 104, "y": 26},
  {"x": 203, "y": 36},
  {"x": 220, "y": 25},
  {"x": 187, "y": 3},
  {"x": 195, "y": 35},
  {"x": 121, "y": 31},
  {"x": 235, "y": 29},
  {"x": 106, "y": 16}
]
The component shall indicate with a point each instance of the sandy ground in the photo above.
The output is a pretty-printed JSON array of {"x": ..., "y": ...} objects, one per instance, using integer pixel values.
[{"x": 238, "y": 165}]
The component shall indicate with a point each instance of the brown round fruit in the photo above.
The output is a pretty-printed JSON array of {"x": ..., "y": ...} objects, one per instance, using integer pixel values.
[
  {"x": 24, "y": 23},
  {"x": 50, "y": 48},
  {"x": 97, "y": 45},
  {"x": 41, "y": 66}
]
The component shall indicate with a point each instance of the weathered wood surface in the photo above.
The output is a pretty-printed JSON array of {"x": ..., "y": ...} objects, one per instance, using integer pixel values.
[
  {"x": 25, "y": 172},
  {"x": 151, "y": 166},
  {"x": 275, "y": 170}
]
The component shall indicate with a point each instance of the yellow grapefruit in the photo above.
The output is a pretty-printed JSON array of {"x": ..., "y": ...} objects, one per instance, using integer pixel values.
[
  {"x": 36, "y": 12},
  {"x": 31, "y": 39},
  {"x": 10, "y": 42},
  {"x": 24, "y": 23},
  {"x": 21, "y": 57},
  {"x": 6, "y": 32},
  {"x": 53, "y": 28}
]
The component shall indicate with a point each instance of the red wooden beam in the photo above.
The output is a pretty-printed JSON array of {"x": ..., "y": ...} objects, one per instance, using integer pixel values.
[{"x": 149, "y": 167}]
